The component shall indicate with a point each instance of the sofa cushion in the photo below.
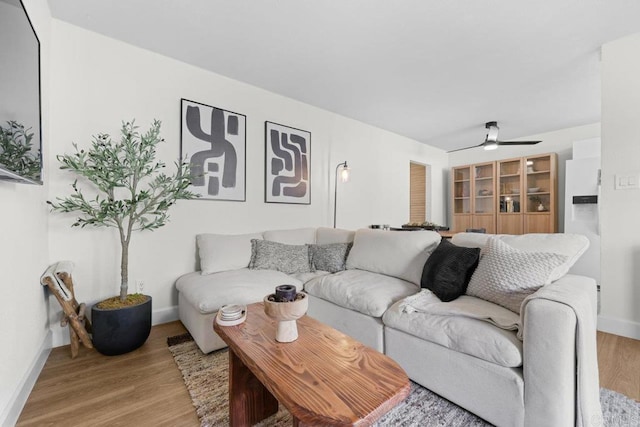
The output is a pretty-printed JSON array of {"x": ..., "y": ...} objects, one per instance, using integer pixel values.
[
  {"x": 396, "y": 254},
  {"x": 570, "y": 245},
  {"x": 448, "y": 270},
  {"x": 305, "y": 277},
  {"x": 459, "y": 333},
  {"x": 220, "y": 252},
  {"x": 506, "y": 275},
  {"x": 325, "y": 235},
  {"x": 365, "y": 292},
  {"x": 290, "y": 259},
  {"x": 472, "y": 240},
  {"x": 331, "y": 257},
  {"x": 297, "y": 236},
  {"x": 244, "y": 286}
]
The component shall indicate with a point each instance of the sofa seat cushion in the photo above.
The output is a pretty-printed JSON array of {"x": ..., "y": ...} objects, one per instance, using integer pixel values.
[
  {"x": 209, "y": 293},
  {"x": 365, "y": 292},
  {"x": 459, "y": 333},
  {"x": 305, "y": 277}
]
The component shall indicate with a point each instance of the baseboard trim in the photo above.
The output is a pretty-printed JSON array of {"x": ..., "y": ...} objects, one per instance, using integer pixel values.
[
  {"x": 620, "y": 327},
  {"x": 19, "y": 398},
  {"x": 164, "y": 315}
]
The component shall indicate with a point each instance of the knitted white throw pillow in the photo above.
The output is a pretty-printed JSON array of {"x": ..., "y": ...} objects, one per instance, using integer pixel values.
[{"x": 506, "y": 275}]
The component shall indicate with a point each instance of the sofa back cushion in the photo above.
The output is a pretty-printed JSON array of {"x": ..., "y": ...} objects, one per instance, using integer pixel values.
[
  {"x": 572, "y": 246},
  {"x": 400, "y": 254},
  {"x": 326, "y": 236},
  {"x": 472, "y": 240},
  {"x": 220, "y": 252},
  {"x": 297, "y": 236}
]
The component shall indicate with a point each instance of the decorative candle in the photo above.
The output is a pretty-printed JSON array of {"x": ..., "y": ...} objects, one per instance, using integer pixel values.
[{"x": 285, "y": 293}]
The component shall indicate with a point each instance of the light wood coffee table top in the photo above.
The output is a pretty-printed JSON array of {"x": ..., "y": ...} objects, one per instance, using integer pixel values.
[{"x": 323, "y": 378}]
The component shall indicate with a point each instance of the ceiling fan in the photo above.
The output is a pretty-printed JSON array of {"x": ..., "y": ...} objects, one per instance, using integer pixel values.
[{"x": 491, "y": 141}]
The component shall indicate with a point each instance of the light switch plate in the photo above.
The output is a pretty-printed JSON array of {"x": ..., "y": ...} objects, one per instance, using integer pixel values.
[{"x": 627, "y": 181}]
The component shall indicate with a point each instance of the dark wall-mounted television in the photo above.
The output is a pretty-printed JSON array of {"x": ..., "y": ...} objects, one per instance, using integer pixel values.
[{"x": 20, "y": 109}]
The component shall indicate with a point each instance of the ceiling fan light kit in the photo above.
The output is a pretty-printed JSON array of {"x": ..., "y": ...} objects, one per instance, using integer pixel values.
[{"x": 491, "y": 141}]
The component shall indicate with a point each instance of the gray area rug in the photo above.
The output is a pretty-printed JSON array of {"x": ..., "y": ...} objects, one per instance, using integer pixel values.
[{"x": 206, "y": 378}]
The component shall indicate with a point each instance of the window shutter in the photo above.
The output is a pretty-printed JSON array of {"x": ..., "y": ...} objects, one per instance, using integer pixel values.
[{"x": 417, "y": 192}]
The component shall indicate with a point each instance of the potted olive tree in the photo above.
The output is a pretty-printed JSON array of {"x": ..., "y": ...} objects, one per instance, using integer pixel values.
[{"x": 130, "y": 193}]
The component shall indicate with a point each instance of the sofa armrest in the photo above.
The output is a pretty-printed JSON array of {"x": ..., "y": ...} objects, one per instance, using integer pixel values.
[{"x": 549, "y": 359}]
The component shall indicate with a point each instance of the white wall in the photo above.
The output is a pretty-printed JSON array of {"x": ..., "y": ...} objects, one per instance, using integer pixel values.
[
  {"x": 559, "y": 142},
  {"x": 97, "y": 82},
  {"x": 23, "y": 258},
  {"x": 620, "y": 226}
]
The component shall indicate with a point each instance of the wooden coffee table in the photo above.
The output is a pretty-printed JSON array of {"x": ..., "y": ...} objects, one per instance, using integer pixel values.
[{"x": 323, "y": 378}]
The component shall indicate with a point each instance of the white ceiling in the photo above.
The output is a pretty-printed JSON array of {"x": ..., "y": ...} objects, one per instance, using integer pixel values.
[{"x": 431, "y": 70}]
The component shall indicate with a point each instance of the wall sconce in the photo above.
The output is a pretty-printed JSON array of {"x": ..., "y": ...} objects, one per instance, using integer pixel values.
[{"x": 344, "y": 177}]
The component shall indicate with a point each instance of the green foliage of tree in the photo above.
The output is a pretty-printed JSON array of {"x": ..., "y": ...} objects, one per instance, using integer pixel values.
[
  {"x": 133, "y": 191},
  {"x": 16, "y": 150}
]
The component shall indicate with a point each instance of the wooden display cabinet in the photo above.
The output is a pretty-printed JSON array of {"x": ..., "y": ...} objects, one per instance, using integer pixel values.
[{"x": 511, "y": 196}]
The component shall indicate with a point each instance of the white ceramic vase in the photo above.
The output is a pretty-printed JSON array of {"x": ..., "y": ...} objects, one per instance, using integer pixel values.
[{"x": 286, "y": 314}]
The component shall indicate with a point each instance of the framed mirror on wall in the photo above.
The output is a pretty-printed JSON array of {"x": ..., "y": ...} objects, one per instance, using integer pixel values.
[{"x": 20, "y": 109}]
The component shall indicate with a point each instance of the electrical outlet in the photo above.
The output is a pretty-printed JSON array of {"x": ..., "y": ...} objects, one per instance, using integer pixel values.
[{"x": 140, "y": 286}]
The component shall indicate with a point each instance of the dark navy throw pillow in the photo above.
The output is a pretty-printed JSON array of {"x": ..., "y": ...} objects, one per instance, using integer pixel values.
[{"x": 448, "y": 270}]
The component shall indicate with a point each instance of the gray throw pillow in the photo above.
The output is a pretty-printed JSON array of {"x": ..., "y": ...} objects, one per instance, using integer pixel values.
[
  {"x": 268, "y": 255},
  {"x": 506, "y": 275},
  {"x": 331, "y": 257}
]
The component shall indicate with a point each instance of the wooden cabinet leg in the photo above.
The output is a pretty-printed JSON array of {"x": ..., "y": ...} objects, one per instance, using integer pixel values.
[{"x": 249, "y": 400}]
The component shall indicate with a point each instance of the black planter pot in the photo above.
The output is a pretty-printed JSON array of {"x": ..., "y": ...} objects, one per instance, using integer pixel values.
[{"x": 121, "y": 330}]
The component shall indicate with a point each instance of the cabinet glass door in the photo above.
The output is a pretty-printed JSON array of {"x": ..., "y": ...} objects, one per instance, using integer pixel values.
[
  {"x": 509, "y": 186},
  {"x": 538, "y": 184},
  {"x": 483, "y": 189},
  {"x": 462, "y": 190}
]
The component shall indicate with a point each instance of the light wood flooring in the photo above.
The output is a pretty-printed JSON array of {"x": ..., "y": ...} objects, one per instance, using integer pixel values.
[
  {"x": 145, "y": 388},
  {"x": 141, "y": 388}
]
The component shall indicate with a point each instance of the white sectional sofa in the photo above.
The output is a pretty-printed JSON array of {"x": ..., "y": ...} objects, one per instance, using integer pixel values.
[{"x": 465, "y": 358}]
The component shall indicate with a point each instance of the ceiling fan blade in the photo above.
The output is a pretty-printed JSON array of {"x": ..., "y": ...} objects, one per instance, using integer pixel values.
[
  {"x": 465, "y": 148},
  {"x": 517, "y": 142}
]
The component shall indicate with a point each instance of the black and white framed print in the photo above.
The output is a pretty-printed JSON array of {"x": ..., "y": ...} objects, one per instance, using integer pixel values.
[
  {"x": 287, "y": 164},
  {"x": 213, "y": 141}
]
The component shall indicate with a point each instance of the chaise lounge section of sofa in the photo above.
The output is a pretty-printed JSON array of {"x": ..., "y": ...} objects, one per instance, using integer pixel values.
[{"x": 225, "y": 278}]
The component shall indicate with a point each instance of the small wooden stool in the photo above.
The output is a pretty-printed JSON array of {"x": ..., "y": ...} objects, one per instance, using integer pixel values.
[{"x": 73, "y": 313}]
